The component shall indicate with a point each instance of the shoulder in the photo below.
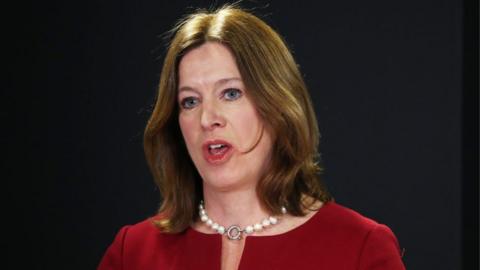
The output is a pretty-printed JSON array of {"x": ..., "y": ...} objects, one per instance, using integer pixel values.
[
  {"x": 341, "y": 220},
  {"x": 335, "y": 215},
  {"x": 141, "y": 231},
  {"x": 137, "y": 244},
  {"x": 145, "y": 235},
  {"x": 362, "y": 237}
]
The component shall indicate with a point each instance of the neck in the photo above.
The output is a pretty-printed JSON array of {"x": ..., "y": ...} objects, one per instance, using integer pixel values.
[{"x": 239, "y": 207}]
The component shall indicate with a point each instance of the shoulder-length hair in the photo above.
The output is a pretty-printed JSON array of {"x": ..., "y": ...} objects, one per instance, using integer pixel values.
[{"x": 278, "y": 91}]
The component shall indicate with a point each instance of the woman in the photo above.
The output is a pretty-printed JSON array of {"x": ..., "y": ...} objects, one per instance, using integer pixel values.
[{"x": 232, "y": 144}]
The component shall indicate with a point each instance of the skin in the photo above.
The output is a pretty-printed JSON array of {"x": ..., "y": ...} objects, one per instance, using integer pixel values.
[{"x": 215, "y": 105}]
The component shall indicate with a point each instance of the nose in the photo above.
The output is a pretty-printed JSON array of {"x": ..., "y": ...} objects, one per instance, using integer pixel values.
[{"x": 211, "y": 116}]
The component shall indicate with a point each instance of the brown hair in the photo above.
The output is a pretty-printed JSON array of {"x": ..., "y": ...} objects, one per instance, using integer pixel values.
[{"x": 276, "y": 87}]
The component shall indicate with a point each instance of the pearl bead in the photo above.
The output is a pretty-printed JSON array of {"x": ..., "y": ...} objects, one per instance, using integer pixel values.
[
  {"x": 265, "y": 223},
  {"x": 209, "y": 222},
  {"x": 284, "y": 210},
  {"x": 257, "y": 227},
  {"x": 249, "y": 229},
  {"x": 215, "y": 226},
  {"x": 221, "y": 230},
  {"x": 273, "y": 220},
  {"x": 203, "y": 212},
  {"x": 204, "y": 218}
]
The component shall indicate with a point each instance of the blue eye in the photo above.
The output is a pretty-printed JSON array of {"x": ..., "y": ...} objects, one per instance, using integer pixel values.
[
  {"x": 232, "y": 94},
  {"x": 189, "y": 103}
]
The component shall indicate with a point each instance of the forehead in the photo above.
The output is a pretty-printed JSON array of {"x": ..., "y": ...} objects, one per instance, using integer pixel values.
[{"x": 207, "y": 64}]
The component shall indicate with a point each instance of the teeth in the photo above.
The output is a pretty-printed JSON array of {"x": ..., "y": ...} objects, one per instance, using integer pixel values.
[{"x": 215, "y": 146}]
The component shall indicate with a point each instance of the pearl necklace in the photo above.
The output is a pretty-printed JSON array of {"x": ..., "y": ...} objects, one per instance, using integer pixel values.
[{"x": 234, "y": 232}]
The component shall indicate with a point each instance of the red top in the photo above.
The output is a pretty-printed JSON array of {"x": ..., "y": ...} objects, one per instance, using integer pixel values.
[{"x": 333, "y": 238}]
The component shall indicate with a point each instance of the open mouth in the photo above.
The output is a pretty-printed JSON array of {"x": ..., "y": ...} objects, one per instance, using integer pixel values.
[{"x": 217, "y": 151}]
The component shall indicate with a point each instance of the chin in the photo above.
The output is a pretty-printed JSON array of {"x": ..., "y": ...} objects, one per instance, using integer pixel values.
[
  {"x": 226, "y": 177},
  {"x": 222, "y": 182}
]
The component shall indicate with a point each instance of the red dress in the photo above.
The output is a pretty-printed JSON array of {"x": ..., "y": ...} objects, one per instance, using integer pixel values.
[{"x": 333, "y": 238}]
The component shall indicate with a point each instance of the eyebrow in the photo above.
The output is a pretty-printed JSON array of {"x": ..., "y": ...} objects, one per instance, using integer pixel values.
[{"x": 217, "y": 84}]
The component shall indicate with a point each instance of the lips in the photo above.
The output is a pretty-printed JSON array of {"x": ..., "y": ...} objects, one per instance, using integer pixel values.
[{"x": 217, "y": 152}]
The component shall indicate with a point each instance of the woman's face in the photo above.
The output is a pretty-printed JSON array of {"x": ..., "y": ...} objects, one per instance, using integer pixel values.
[{"x": 223, "y": 132}]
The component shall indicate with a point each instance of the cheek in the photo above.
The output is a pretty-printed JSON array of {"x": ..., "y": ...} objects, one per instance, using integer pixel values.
[
  {"x": 248, "y": 123},
  {"x": 186, "y": 126}
]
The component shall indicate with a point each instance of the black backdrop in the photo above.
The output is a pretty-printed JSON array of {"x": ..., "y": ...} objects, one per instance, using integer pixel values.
[{"x": 389, "y": 83}]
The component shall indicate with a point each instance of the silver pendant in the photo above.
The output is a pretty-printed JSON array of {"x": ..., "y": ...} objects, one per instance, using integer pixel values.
[{"x": 234, "y": 232}]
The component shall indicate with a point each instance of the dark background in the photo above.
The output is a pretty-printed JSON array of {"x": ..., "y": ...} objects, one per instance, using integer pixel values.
[{"x": 395, "y": 86}]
